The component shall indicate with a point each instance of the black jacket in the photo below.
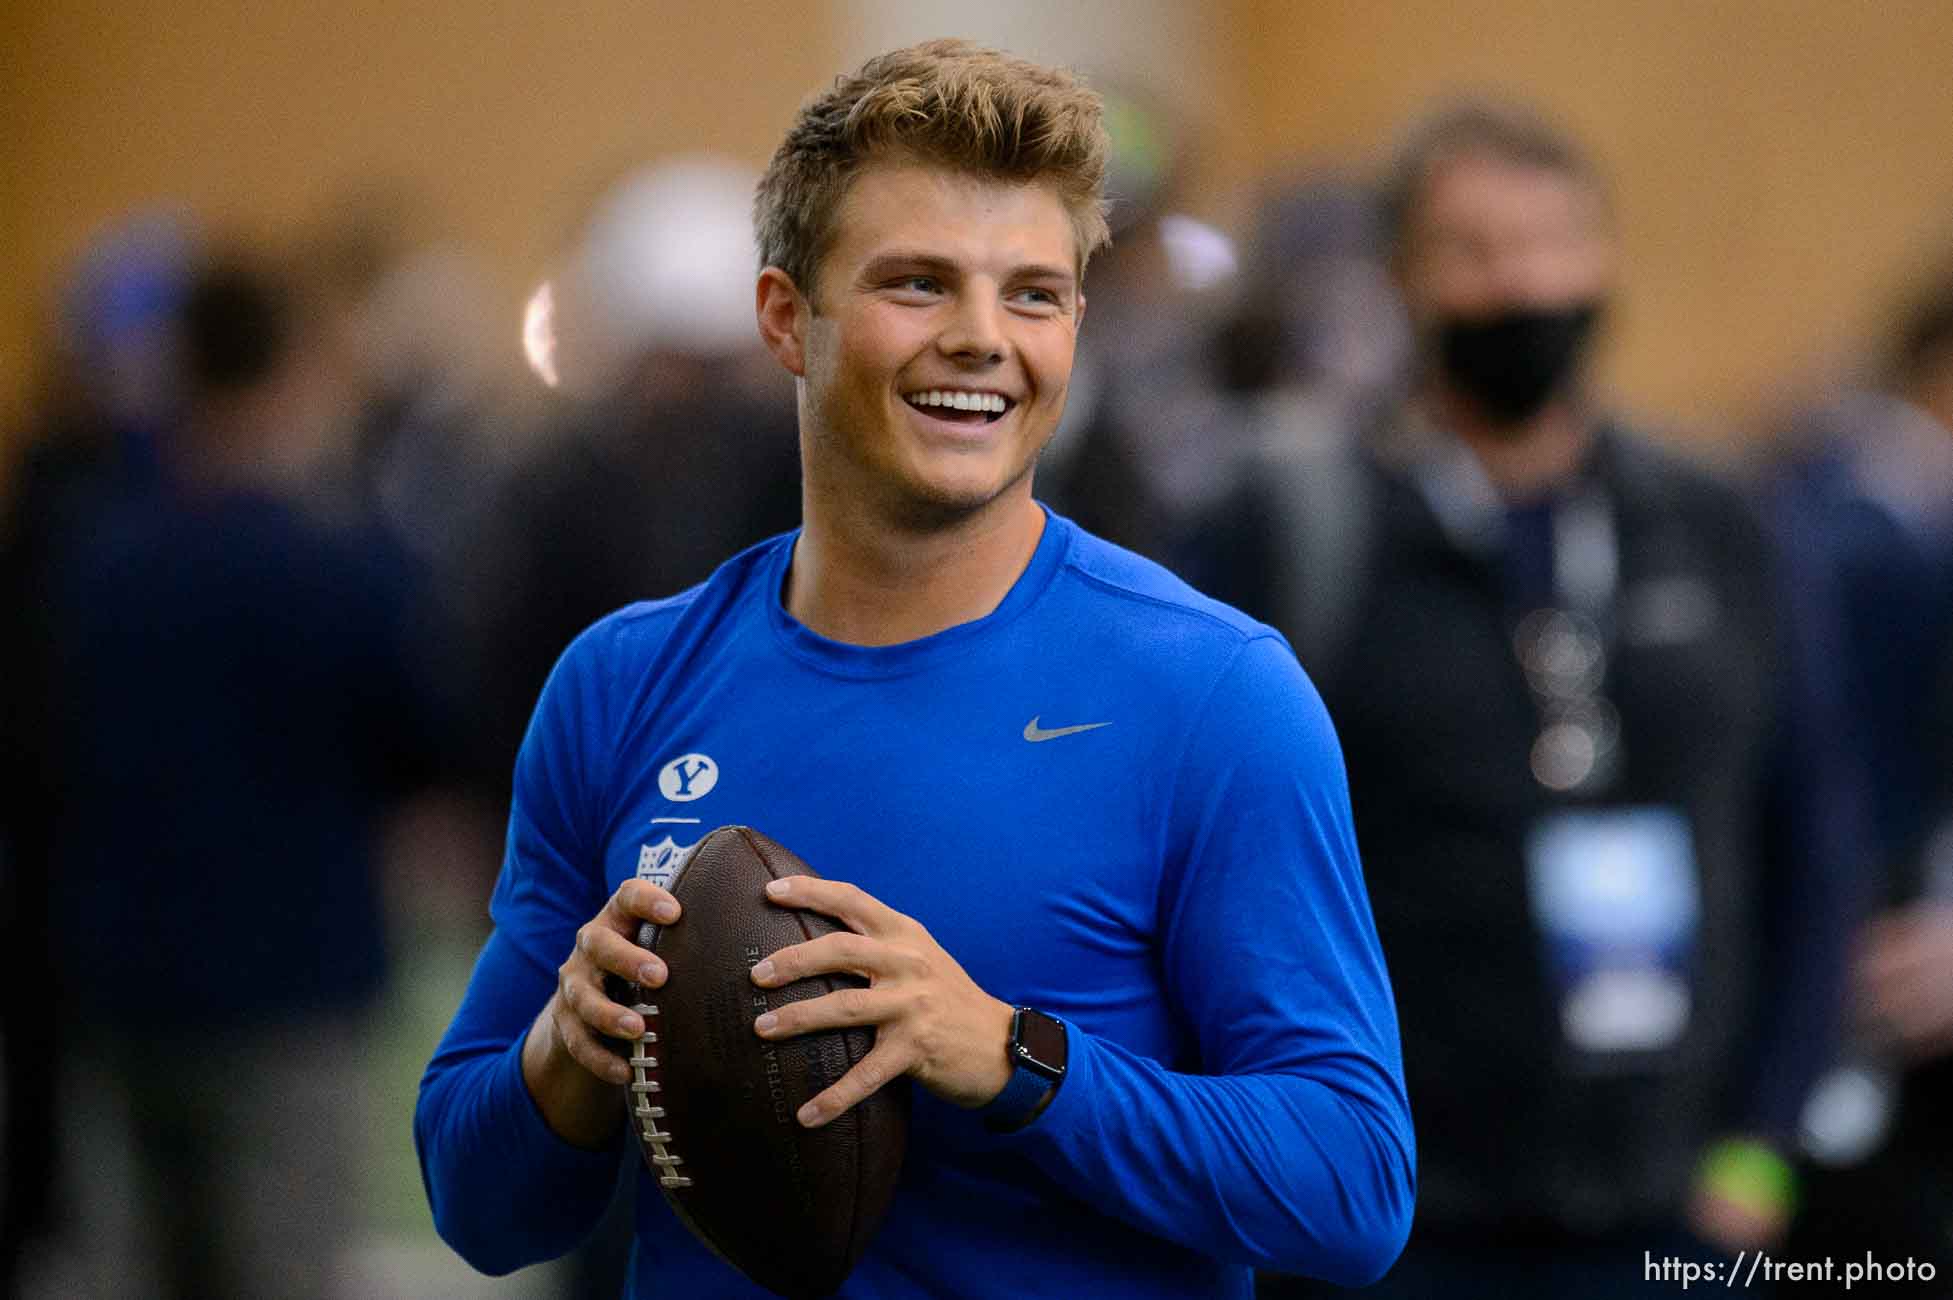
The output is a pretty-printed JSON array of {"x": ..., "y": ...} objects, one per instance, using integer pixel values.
[{"x": 1517, "y": 1134}]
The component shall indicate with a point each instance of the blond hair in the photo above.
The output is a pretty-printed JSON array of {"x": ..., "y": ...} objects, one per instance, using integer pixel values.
[{"x": 947, "y": 103}]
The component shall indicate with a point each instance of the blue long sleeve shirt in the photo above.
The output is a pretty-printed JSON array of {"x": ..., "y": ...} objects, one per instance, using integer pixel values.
[{"x": 1180, "y": 884}]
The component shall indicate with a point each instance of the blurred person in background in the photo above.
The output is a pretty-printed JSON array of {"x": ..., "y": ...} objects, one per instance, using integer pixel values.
[
  {"x": 113, "y": 384},
  {"x": 1148, "y": 440},
  {"x": 1579, "y": 756},
  {"x": 242, "y": 695},
  {"x": 1864, "y": 498},
  {"x": 434, "y": 415},
  {"x": 409, "y": 330},
  {"x": 118, "y": 381},
  {"x": 671, "y": 449},
  {"x": 1312, "y": 350},
  {"x": 1316, "y": 332}
]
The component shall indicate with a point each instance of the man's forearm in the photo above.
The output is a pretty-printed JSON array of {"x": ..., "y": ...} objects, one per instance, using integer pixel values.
[{"x": 507, "y": 1186}]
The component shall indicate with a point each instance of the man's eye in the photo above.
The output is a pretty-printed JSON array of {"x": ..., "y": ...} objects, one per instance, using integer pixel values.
[
  {"x": 1040, "y": 297},
  {"x": 919, "y": 283}
]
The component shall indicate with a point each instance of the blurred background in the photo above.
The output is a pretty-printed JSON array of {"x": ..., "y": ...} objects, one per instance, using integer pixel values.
[
  {"x": 1777, "y": 169},
  {"x": 403, "y": 304}
]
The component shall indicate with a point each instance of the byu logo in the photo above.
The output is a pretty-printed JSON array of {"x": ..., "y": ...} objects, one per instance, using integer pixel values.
[{"x": 688, "y": 778}]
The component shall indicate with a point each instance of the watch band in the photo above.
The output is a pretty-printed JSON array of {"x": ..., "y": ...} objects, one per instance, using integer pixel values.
[{"x": 1020, "y": 1097}]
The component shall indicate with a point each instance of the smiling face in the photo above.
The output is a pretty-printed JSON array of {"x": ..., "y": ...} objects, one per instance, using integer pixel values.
[{"x": 934, "y": 358}]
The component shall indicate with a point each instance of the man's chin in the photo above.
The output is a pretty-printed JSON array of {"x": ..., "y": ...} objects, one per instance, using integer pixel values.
[{"x": 933, "y": 505}]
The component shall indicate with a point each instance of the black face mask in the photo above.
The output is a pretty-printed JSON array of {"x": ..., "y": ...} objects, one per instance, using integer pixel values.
[{"x": 1513, "y": 362}]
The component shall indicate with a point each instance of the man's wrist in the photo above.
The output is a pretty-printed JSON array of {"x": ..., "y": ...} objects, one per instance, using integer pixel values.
[
  {"x": 578, "y": 1107},
  {"x": 997, "y": 1050},
  {"x": 1037, "y": 1052}
]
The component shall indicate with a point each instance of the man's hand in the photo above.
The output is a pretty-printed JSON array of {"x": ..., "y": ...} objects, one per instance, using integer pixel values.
[
  {"x": 1903, "y": 979},
  {"x": 931, "y": 1020},
  {"x": 570, "y": 1070},
  {"x": 1733, "y": 1226},
  {"x": 1743, "y": 1196}
]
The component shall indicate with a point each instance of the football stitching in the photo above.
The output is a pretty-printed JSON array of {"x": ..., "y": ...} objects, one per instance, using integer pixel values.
[{"x": 648, "y": 1115}]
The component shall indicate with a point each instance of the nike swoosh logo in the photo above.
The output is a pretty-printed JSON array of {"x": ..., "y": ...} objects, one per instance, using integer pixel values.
[{"x": 1035, "y": 733}]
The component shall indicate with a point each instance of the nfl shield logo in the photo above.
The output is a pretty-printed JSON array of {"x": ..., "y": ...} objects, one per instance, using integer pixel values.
[{"x": 658, "y": 862}]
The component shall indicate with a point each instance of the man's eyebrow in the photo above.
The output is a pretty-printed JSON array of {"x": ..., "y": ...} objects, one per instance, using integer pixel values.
[
  {"x": 936, "y": 264},
  {"x": 1041, "y": 271},
  {"x": 901, "y": 260}
]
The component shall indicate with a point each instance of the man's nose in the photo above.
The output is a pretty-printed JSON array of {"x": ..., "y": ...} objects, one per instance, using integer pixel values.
[
  {"x": 975, "y": 330},
  {"x": 1512, "y": 271}
]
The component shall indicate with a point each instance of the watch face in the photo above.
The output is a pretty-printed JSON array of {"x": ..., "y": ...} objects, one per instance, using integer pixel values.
[{"x": 1041, "y": 1043}]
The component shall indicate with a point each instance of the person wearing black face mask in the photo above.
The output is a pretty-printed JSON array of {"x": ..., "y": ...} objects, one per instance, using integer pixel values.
[
  {"x": 1505, "y": 259},
  {"x": 1608, "y": 870},
  {"x": 1512, "y": 362}
]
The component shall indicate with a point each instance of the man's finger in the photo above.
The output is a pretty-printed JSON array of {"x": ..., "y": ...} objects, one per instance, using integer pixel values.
[
  {"x": 869, "y": 1074},
  {"x": 589, "y": 1004},
  {"x": 842, "y": 951},
  {"x": 637, "y": 901},
  {"x": 611, "y": 952},
  {"x": 837, "y": 1010},
  {"x": 588, "y": 1051},
  {"x": 851, "y": 905}
]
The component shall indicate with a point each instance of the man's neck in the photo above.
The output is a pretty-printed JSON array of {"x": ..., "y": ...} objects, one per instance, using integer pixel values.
[
  {"x": 863, "y": 581},
  {"x": 1526, "y": 461}
]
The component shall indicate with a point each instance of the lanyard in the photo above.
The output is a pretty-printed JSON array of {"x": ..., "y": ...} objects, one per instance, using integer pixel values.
[
  {"x": 1563, "y": 648},
  {"x": 1587, "y": 556},
  {"x": 1564, "y": 651}
]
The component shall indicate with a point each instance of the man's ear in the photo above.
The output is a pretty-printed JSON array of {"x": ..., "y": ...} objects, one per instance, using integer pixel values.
[{"x": 783, "y": 317}]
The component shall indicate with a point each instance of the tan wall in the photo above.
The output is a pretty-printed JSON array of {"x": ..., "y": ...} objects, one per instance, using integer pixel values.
[
  {"x": 506, "y": 115},
  {"x": 15, "y": 288},
  {"x": 1780, "y": 163}
]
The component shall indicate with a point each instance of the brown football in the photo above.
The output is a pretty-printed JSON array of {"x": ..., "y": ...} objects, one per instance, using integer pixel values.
[{"x": 712, "y": 1104}]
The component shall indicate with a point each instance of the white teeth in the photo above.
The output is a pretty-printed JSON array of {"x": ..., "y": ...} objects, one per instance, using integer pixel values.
[{"x": 956, "y": 401}]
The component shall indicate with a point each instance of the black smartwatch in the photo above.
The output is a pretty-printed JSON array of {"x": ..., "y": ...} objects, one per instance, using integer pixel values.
[{"x": 1037, "y": 1050}]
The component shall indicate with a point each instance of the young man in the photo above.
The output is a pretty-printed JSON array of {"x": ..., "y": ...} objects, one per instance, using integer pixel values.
[{"x": 1036, "y": 772}]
